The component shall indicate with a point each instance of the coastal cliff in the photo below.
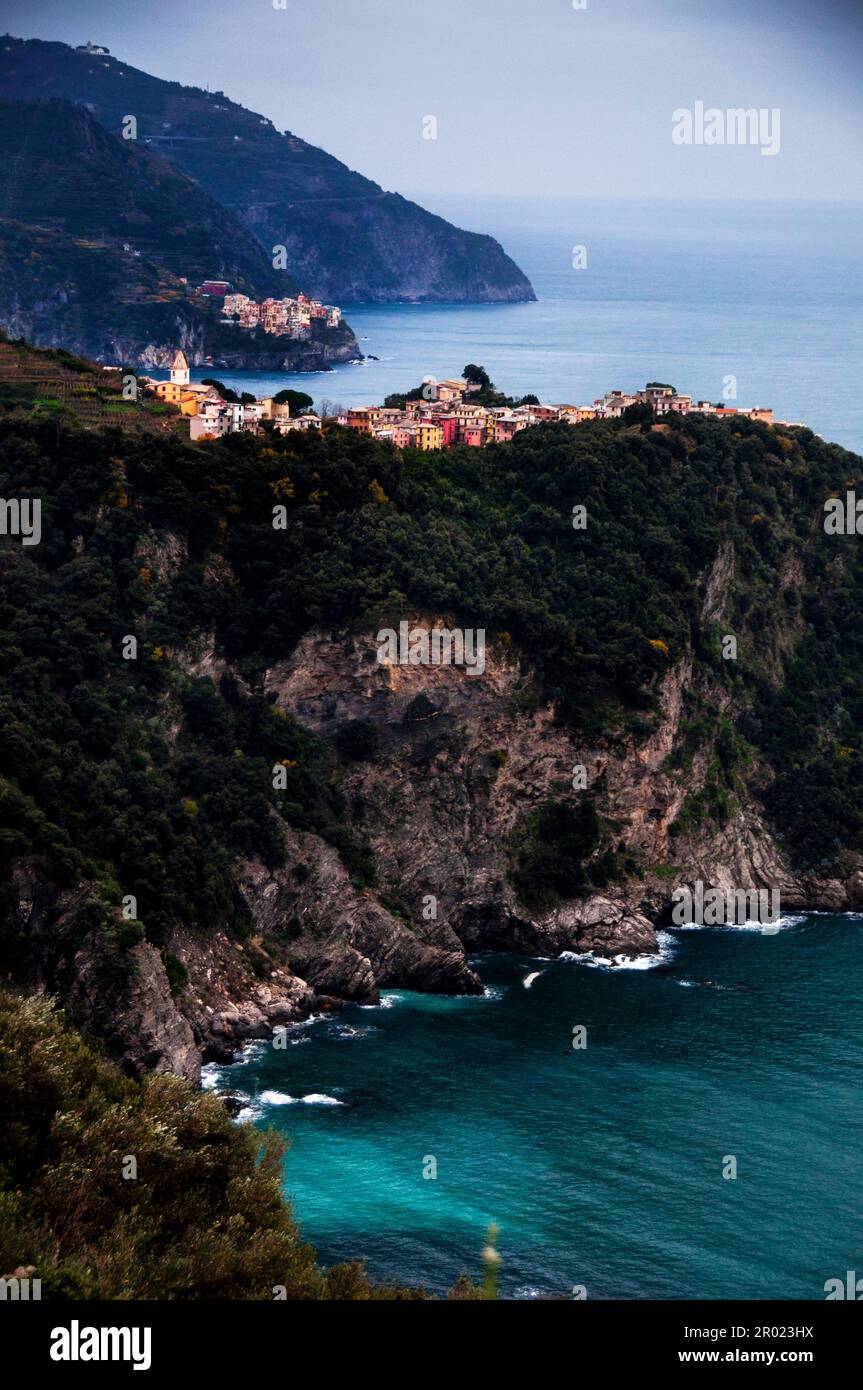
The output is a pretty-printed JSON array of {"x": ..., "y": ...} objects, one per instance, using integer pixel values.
[
  {"x": 347, "y": 239},
  {"x": 256, "y": 818},
  {"x": 102, "y": 242}
]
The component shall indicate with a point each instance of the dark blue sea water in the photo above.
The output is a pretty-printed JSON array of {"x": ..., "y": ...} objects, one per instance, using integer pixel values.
[
  {"x": 689, "y": 293},
  {"x": 603, "y": 1167}
]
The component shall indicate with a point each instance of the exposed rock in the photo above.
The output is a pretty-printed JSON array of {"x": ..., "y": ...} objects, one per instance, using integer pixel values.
[
  {"x": 339, "y": 939},
  {"x": 123, "y": 999},
  {"x": 135, "y": 1017},
  {"x": 235, "y": 991},
  {"x": 462, "y": 758}
]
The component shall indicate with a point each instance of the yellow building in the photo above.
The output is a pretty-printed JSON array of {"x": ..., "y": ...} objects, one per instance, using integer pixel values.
[
  {"x": 429, "y": 436},
  {"x": 179, "y": 390}
]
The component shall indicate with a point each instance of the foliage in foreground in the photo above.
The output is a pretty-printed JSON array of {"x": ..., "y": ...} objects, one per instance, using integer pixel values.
[{"x": 203, "y": 1219}]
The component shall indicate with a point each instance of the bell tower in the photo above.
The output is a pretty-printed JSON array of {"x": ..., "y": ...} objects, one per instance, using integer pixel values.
[{"x": 180, "y": 369}]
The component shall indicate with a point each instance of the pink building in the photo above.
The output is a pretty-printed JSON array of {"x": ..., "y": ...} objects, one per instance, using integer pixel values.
[{"x": 449, "y": 425}]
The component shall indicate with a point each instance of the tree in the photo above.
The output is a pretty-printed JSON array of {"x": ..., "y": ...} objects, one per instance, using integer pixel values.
[
  {"x": 476, "y": 375},
  {"x": 224, "y": 391},
  {"x": 298, "y": 401}
]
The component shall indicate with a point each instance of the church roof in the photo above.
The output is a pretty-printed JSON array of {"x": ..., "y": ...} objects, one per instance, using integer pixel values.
[{"x": 180, "y": 364}]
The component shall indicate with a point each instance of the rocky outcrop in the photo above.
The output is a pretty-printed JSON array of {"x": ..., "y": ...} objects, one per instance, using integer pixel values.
[
  {"x": 120, "y": 996},
  {"x": 236, "y": 990},
  {"x": 340, "y": 939},
  {"x": 603, "y": 924},
  {"x": 458, "y": 767},
  {"x": 133, "y": 1013},
  {"x": 461, "y": 759}
]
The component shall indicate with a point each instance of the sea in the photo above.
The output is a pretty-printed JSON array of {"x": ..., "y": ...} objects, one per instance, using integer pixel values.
[
  {"x": 685, "y": 1125},
  {"x": 747, "y": 303}
]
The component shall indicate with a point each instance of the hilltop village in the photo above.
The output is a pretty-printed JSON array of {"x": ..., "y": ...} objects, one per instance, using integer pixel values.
[
  {"x": 438, "y": 415},
  {"x": 290, "y": 318}
]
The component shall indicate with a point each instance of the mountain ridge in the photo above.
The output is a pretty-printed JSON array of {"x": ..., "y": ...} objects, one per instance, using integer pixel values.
[
  {"x": 102, "y": 240},
  {"x": 347, "y": 239}
]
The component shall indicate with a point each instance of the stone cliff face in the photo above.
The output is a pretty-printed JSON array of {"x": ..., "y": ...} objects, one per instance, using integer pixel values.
[
  {"x": 459, "y": 761},
  {"x": 126, "y": 1003},
  {"x": 462, "y": 758},
  {"x": 452, "y": 765}
]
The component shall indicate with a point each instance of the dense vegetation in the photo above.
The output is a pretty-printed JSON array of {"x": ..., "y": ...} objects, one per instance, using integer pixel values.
[
  {"x": 199, "y": 1215},
  {"x": 553, "y": 852},
  {"x": 138, "y": 773}
]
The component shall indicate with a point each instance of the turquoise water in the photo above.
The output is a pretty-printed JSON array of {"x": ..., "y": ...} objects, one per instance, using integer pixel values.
[
  {"x": 688, "y": 293},
  {"x": 603, "y": 1166}
]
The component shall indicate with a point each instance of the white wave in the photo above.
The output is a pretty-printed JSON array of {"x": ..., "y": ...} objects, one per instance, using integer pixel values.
[
  {"x": 283, "y": 1098},
  {"x": 529, "y": 979},
  {"x": 782, "y": 923},
  {"x": 250, "y": 1053},
  {"x": 388, "y": 1000},
  {"x": 686, "y": 984},
  {"x": 277, "y": 1098},
  {"x": 249, "y": 1112},
  {"x": 664, "y": 941},
  {"x": 211, "y": 1075},
  {"x": 492, "y": 992},
  {"x": 300, "y": 1024},
  {"x": 346, "y": 1032}
]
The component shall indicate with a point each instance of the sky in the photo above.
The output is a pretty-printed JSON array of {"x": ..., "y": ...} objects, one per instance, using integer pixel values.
[{"x": 530, "y": 97}]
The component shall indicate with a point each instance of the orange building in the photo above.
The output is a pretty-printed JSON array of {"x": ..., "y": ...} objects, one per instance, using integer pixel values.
[{"x": 359, "y": 419}]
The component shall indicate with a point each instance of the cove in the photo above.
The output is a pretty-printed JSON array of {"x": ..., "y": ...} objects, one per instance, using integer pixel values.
[{"x": 602, "y": 1166}]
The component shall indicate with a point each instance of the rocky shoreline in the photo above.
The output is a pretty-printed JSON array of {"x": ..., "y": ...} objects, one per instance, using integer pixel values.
[{"x": 458, "y": 763}]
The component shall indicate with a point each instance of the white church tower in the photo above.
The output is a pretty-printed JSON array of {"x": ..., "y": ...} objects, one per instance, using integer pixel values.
[{"x": 180, "y": 369}]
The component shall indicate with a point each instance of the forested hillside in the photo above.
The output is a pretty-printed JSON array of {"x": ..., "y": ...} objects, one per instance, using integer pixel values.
[{"x": 153, "y": 538}]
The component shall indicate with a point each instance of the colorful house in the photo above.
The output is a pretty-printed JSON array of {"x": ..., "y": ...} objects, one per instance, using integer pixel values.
[{"x": 429, "y": 436}]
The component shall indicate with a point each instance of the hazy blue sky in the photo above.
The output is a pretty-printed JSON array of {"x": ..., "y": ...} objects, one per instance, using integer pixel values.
[{"x": 530, "y": 96}]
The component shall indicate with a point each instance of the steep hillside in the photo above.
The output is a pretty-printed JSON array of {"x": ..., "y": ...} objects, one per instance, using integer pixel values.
[
  {"x": 347, "y": 239},
  {"x": 102, "y": 241},
  {"x": 60, "y": 169},
  {"x": 252, "y": 816}
]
